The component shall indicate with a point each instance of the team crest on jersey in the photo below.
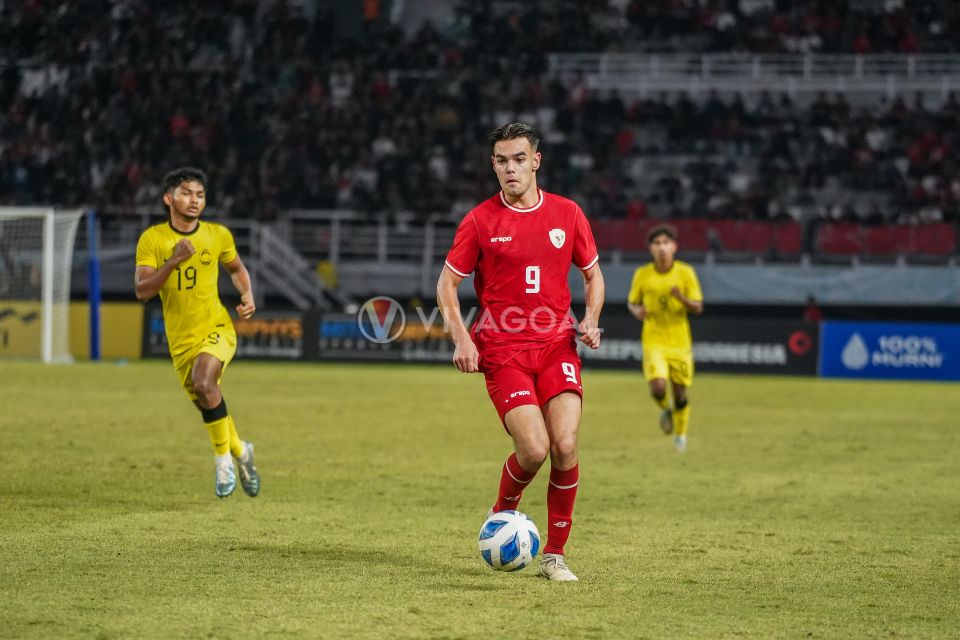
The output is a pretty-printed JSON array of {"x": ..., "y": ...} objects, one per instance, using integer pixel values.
[
  {"x": 557, "y": 237},
  {"x": 205, "y": 257}
]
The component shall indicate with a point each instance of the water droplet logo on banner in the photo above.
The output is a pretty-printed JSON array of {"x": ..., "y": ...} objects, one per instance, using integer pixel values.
[{"x": 855, "y": 354}]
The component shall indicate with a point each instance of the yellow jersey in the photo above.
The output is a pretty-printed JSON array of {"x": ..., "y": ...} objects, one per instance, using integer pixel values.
[
  {"x": 191, "y": 300},
  {"x": 666, "y": 325}
]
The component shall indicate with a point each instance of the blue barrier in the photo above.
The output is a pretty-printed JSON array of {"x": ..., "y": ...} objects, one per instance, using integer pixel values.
[{"x": 890, "y": 350}]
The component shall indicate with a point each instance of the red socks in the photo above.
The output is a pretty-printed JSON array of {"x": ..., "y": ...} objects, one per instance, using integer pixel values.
[
  {"x": 513, "y": 480},
  {"x": 561, "y": 494}
]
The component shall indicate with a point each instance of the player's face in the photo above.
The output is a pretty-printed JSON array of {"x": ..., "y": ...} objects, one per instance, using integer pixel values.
[
  {"x": 187, "y": 200},
  {"x": 514, "y": 162},
  {"x": 663, "y": 248}
]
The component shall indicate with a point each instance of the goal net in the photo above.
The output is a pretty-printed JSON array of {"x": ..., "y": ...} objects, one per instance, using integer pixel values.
[{"x": 36, "y": 257}]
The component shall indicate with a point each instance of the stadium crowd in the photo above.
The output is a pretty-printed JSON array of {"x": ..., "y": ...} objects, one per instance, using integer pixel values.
[{"x": 99, "y": 99}]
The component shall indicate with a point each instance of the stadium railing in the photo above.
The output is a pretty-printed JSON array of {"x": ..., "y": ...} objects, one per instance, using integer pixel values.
[
  {"x": 887, "y": 74},
  {"x": 270, "y": 258}
]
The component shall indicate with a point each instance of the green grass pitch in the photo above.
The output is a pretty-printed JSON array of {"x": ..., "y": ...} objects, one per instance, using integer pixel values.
[{"x": 803, "y": 509}]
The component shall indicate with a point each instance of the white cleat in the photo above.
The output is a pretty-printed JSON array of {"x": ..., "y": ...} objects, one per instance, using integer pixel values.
[
  {"x": 680, "y": 443},
  {"x": 553, "y": 567},
  {"x": 226, "y": 477},
  {"x": 249, "y": 477}
]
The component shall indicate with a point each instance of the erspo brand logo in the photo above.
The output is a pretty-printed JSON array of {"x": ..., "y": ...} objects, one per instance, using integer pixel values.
[{"x": 381, "y": 320}]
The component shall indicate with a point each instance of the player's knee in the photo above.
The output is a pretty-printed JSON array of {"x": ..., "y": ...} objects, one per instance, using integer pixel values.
[
  {"x": 206, "y": 390},
  {"x": 532, "y": 455},
  {"x": 658, "y": 389},
  {"x": 563, "y": 450}
]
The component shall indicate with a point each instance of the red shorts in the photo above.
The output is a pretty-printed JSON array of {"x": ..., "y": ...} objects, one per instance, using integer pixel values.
[{"x": 531, "y": 376}]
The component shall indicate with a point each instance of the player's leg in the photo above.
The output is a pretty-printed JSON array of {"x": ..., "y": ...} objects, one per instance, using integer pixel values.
[
  {"x": 215, "y": 355},
  {"x": 204, "y": 388},
  {"x": 530, "y": 446},
  {"x": 559, "y": 380},
  {"x": 562, "y": 417},
  {"x": 656, "y": 371},
  {"x": 681, "y": 376},
  {"x": 513, "y": 394}
]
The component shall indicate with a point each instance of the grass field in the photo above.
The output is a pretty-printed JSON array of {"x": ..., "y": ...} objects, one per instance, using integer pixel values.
[{"x": 803, "y": 508}]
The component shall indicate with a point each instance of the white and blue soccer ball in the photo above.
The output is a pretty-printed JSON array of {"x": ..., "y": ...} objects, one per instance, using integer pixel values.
[{"x": 509, "y": 541}]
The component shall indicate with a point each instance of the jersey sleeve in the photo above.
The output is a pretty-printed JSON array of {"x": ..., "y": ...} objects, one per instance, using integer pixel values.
[
  {"x": 584, "y": 246},
  {"x": 146, "y": 251},
  {"x": 228, "y": 248},
  {"x": 692, "y": 285},
  {"x": 636, "y": 288},
  {"x": 463, "y": 255}
]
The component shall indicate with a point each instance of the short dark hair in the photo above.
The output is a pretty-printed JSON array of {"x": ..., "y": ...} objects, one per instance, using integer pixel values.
[
  {"x": 662, "y": 230},
  {"x": 184, "y": 174},
  {"x": 513, "y": 131}
]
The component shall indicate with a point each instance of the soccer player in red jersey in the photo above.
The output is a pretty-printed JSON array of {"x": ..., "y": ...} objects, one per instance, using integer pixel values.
[{"x": 519, "y": 244}]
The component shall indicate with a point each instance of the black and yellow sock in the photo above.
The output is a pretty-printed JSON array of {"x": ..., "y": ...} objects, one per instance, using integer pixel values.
[
  {"x": 663, "y": 403},
  {"x": 681, "y": 418},
  {"x": 218, "y": 425},
  {"x": 236, "y": 444}
]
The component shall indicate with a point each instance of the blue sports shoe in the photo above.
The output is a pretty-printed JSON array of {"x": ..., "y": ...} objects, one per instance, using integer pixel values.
[
  {"x": 249, "y": 478},
  {"x": 226, "y": 478}
]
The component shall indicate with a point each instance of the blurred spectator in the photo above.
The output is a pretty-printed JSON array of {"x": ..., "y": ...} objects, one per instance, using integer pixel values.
[
  {"x": 98, "y": 99},
  {"x": 811, "y": 312}
]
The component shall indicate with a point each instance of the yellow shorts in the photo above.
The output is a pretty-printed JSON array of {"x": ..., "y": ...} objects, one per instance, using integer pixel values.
[
  {"x": 221, "y": 344},
  {"x": 668, "y": 363}
]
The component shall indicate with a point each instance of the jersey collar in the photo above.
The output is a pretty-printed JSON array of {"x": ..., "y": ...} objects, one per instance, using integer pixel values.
[
  {"x": 503, "y": 199},
  {"x": 183, "y": 233}
]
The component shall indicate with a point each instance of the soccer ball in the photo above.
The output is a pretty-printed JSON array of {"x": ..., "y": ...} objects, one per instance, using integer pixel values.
[{"x": 509, "y": 541}]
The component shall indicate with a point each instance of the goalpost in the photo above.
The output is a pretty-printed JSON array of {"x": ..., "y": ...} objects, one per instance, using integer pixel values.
[{"x": 36, "y": 257}]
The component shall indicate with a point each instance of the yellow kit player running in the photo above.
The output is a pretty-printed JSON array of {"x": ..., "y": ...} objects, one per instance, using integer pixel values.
[
  {"x": 180, "y": 259},
  {"x": 662, "y": 294}
]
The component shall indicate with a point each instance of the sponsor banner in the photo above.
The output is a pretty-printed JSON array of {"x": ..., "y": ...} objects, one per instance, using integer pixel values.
[
  {"x": 740, "y": 346},
  {"x": 890, "y": 350},
  {"x": 270, "y": 334},
  {"x": 383, "y": 333},
  {"x": 154, "y": 337},
  {"x": 273, "y": 335}
]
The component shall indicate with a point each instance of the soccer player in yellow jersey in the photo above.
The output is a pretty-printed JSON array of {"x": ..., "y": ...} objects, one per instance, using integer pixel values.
[
  {"x": 662, "y": 295},
  {"x": 180, "y": 259}
]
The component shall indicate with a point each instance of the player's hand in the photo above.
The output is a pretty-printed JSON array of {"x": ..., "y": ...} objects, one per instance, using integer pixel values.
[
  {"x": 638, "y": 311},
  {"x": 246, "y": 308},
  {"x": 182, "y": 250},
  {"x": 589, "y": 333},
  {"x": 466, "y": 357}
]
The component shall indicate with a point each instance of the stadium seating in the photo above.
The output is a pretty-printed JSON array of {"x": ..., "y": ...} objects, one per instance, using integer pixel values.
[{"x": 850, "y": 239}]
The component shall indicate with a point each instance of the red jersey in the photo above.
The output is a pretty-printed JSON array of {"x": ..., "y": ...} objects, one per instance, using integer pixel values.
[{"x": 521, "y": 258}]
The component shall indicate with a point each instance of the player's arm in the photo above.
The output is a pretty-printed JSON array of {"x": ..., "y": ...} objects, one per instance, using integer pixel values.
[
  {"x": 593, "y": 294},
  {"x": 635, "y": 298},
  {"x": 693, "y": 306},
  {"x": 465, "y": 354},
  {"x": 241, "y": 282},
  {"x": 148, "y": 281}
]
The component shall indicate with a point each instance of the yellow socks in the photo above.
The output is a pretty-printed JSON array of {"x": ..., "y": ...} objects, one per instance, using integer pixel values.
[
  {"x": 223, "y": 434},
  {"x": 663, "y": 403},
  {"x": 236, "y": 444},
  {"x": 681, "y": 417},
  {"x": 220, "y": 435}
]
